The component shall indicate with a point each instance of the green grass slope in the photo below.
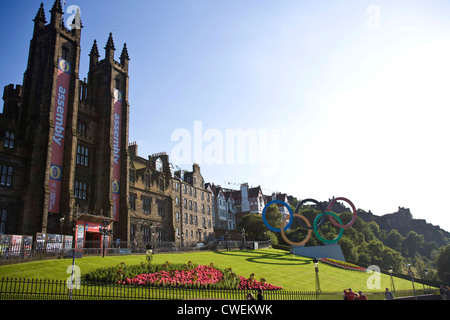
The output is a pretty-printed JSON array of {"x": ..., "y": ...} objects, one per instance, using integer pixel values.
[{"x": 276, "y": 266}]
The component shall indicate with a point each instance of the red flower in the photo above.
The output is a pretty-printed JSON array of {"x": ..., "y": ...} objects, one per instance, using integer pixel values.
[{"x": 202, "y": 276}]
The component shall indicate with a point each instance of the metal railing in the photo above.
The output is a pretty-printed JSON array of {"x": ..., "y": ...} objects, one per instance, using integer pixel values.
[
  {"x": 39, "y": 289},
  {"x": 45, "y": 289},
  {"x": 11, "y": 253}
]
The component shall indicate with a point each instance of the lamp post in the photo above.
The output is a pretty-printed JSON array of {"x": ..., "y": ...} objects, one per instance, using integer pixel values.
[
  {"x": 154, "y": 235},
  {"x": 105, "y": 231},
  {"x": 426, "y": 277},
  {"x": 316, "y": 267},
  {"x": 180, "y": 203},
  {"x": 411, "y": 274},
  {"x": 74, "y": 227},
  {"x": 227, "y": 237},
  {"x": 182, "y": 237},
  {"x": 391, "y": 270}
]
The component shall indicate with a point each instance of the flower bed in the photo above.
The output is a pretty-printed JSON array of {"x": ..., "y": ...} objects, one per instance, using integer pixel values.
[
  {"x": 185, "y": 276},
  {"x": 251, "y": 283},
  {"x": 201, "y": 276},
  {"x": 342, "y": 264}
]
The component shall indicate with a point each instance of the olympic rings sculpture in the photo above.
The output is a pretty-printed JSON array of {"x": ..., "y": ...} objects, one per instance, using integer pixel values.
[{"x": 318, "y": 221}]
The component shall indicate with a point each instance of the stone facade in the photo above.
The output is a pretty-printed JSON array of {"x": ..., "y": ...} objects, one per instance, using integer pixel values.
[
  {"x": 150, "y": 208},
  {"x": 193, "y": 211},
  {"x": 33, "y": 121},
  {"x": 102, "y": 178}
]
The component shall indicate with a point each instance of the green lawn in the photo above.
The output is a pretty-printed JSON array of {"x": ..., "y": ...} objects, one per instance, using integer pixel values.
[{"x": 276, "y": 266}]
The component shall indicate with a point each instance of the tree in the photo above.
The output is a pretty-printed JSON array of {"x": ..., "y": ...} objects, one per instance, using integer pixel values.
[
  {"x": 443, "y": 263},
  {"x": 271, "y": 236},
  {"x": 349, "y": 249},
  {"x": 394, "y": 240},
  {"x": 427, "y": 248},
  {"x": 412, "y": 243},
  {"x": 253, "y": 225},
  {"x": 393, "y": 258},
  {"x": 273, "y": 216}
]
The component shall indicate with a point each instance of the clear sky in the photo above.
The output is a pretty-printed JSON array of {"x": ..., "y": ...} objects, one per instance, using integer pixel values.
[{"x": 339, "y": 98}]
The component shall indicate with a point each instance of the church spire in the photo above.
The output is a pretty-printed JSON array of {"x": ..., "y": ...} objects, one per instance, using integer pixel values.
[
  {"x": 57, "y": 13},
  {"x": 76, "y": 22},
  {"x": 57, "y": 6},
  {"x": 109, "y": 49},
  {"x": 124, "y": 58},
  {"x": 94, "y": 55},
  {"x": 40, "y": 16},
  {"x": 39, "y": 20}
]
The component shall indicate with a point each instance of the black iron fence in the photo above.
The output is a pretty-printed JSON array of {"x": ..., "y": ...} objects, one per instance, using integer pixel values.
[
  {"x": 32, "y": 289},
  {"x": 10, "y": 253}
]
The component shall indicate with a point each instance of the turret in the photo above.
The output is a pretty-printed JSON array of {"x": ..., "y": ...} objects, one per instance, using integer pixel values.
[
  {"x": 57, "y": 13},
  {"x": 39, "y": 21},
  {"x": 124, "y": 58},
  {"x": 76, "y": 24},
  {"x": 94, "y": 55},
  {"x": 109, "y": 50},
  {"x": 11, "y": 97}
]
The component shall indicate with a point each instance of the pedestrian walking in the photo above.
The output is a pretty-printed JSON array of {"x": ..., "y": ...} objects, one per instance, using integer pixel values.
[
  {"x": 250, "y": 296},
  {"x": 361, "y": 296},
  {"x": 349, "y": 294},
  {"x": 442, "y": 292},
  {"x": 259, "y": 296},
  {"x": 389, "y": 295}
]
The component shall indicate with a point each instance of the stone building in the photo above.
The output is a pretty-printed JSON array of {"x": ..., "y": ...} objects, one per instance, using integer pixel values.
[
  {"x": 66, "y": 167},
  {"x": 193, "y": 211},
  {"x": 63, "y": 152},
  {"x": 223, "y": 207},
  {"x": 150, "y": 209}
]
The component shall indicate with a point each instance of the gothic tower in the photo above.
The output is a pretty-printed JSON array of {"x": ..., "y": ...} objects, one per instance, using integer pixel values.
[
  {"x": 48, "y": 119},
  {"x": 107, "y": 94}
]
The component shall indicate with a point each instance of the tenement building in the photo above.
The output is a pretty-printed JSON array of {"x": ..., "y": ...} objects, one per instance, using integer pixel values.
[
  {"x": 167, "y": 207},
  {"x": 66, "y": 166},
  {"x": 193, "y": 211}
]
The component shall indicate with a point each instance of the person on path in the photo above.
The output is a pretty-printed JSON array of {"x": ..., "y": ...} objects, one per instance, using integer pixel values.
[
  {"x": 389, "y": 295},
  {"x": 442, "y": 292},
  {"x": 349, "y": 294},
  {"x": 362, "y": 296},
  {"x": 259, "y": 295}
]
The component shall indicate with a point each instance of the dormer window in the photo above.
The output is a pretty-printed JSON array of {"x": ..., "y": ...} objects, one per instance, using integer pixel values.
[{"x": 159, "y": 165}]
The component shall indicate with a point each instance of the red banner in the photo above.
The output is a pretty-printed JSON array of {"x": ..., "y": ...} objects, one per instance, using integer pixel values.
[
  {"x": 116, "y": 152},
  {"x": 59, "y": 120}
]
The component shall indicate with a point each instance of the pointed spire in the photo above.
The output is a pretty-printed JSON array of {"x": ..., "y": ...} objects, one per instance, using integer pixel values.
[
  {"x": 39, "y": 21},
  {"x": 109, "y": 49},
  {"x": 40, "y": 16},
  {"x": 110, "y": 43},
  {"x": 94, "y": 50},
  {"x": 57, "y": 7},
  {"x": 57, "y": 14},
  {"x": 76, "y": 22},
  {"x": 124, "y": 58},
  {"x": 94, "y": 55}
]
